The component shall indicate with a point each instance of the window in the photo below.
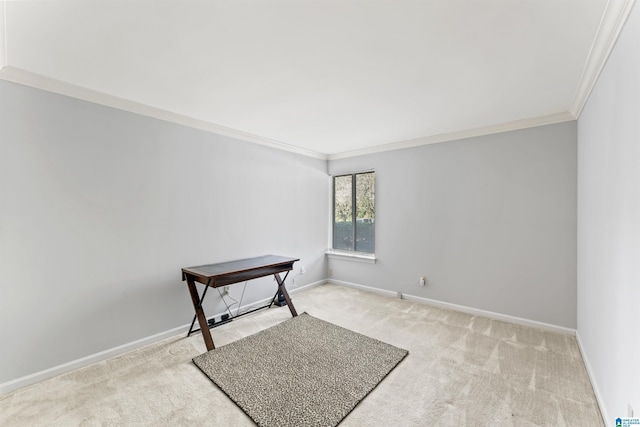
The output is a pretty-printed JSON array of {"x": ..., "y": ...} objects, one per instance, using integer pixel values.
[{"x": 354, "y": 212}]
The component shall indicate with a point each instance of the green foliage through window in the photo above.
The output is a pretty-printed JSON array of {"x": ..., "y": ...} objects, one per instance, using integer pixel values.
[{"x": 354, "y": 212}]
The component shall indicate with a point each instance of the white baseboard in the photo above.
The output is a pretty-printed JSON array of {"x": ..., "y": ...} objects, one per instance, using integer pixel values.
[
  {"x": 290, "y": 290},
  {"x": 464, "y": 309},
  {"x": 364, "y": 288},
  {"x": 26, "y": 380},
  {"x": 88, "y": 360},
  {"x": 594, "y": 384},
  {"x": 493, "y": 315},
  {"x": 293, "y": 290}
]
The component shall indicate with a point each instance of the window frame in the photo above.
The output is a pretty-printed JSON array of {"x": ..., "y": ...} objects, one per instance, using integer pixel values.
[{"x": 352, "y": 253}]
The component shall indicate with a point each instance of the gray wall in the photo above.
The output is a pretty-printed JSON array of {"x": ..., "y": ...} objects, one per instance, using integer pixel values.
[
  {"x": 609, "y": 227},
  {"x": 99, "y": 210},
  {"x": 490, "y": 221}
]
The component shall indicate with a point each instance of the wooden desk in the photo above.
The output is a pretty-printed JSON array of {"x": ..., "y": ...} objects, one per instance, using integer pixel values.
[{"x": 227, "y": 273}]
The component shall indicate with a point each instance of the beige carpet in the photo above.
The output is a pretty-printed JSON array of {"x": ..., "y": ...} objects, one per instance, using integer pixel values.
[
  {"x": 461, "y": 370},
  {"x": 301, "y": 372}
]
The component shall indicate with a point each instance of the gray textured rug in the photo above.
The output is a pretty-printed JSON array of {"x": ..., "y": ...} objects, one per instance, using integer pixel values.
[{"x": 301, "y": 372}]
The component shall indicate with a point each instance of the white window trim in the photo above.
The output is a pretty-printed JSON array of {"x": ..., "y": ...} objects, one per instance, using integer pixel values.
[
  {"x": 368, "y": 258},
  {"x": 351, "y": 256}
]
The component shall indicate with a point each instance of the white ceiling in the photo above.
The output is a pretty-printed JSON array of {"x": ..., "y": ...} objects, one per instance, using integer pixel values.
[{"x": 327, "y": 78}]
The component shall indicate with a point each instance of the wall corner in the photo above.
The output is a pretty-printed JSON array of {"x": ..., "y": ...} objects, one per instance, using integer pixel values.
[{"x": 3, "y": 34}]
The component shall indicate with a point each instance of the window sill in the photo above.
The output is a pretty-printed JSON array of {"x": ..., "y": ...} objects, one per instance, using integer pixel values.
[{"x": 351, "y": 256}]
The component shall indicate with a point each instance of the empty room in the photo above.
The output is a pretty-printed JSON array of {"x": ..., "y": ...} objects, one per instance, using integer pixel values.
[{"x": 320, "y": 212}]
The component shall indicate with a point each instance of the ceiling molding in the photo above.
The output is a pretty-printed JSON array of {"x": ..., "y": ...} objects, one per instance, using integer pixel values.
[
  {"x": 615, "y": 15},
  {"x": 452, "y": 136},
  {"x": 595, "y": 33},
  {"x": 38, "y": 81}
]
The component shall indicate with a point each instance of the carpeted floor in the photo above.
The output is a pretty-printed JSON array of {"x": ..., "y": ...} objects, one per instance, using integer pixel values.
[{"x": 461, "y": 370}]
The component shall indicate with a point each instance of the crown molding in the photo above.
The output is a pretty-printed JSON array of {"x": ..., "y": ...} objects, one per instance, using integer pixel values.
[
  {"x": 452, "y": 136},
  {"x": 613, "y": 19},
  {"x": 19, "y": 76},
  {"x": 27, "y": 78}
]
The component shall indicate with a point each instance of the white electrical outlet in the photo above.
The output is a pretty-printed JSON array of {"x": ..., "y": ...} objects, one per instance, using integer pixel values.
[
  {"x": 423, "y": 281},
  {"x": 302, "y": 270},
  {"x": 225, "y": 290}
]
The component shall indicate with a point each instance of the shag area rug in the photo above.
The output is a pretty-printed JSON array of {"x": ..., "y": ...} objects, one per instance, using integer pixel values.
[{"x": 301, "y": 372}]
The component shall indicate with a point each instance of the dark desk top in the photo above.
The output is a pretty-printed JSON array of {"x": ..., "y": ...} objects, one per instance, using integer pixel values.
[{"x": 226, "y": 273}]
